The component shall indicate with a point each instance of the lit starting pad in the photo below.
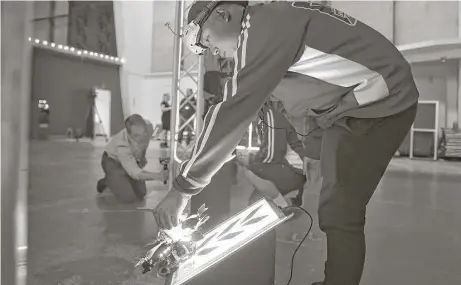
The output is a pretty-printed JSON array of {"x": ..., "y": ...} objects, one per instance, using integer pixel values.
[{"x": 228, "y": 237}]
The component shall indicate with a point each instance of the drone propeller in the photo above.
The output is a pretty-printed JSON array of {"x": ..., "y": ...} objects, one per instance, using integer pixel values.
[
  {"x": 201, "y": 221},
  {"x": 202, "y": 210}
]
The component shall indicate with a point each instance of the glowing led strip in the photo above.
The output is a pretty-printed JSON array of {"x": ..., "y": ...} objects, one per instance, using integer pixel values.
[
  {"x": 75, "y": 51},
  {"x": 229, "y": 237}
]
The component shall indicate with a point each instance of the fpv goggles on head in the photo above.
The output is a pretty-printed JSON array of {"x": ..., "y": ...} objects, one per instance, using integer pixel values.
[{"x": 192, "y": 31}]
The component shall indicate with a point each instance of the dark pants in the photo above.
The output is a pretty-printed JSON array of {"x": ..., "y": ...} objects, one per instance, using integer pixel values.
[
  {"x": 124, "y": 188},
  {"x": 354, "y": 156}
]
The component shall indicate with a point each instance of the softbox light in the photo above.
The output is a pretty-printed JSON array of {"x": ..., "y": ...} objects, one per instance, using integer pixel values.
[{"x": 229, "y": 237}]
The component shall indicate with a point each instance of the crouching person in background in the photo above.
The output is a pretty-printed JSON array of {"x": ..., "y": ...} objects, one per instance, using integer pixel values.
[
  {"x": 268, "y": 170},
  {"x": 124, "y": 159}
]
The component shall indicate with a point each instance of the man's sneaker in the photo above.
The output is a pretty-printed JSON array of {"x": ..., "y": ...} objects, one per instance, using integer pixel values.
[
  {"x": 297, "y": 200},
  {"x": 101, "y": 185}
]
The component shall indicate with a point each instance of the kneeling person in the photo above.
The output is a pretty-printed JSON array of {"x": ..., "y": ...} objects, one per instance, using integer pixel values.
[
  {"x": 268, "y": 170},
  {"x": 124, "y": 159}
]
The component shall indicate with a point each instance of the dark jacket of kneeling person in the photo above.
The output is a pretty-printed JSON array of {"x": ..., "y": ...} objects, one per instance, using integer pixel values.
[
  {"x": 270, "y": 162},
  {"x": 275, "y": 133}
]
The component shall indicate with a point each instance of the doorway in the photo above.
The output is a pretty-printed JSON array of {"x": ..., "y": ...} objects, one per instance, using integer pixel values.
[{"x": 102, "y": 112}]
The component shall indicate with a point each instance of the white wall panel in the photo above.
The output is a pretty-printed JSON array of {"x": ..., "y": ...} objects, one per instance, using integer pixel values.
[
  {"x": 376, "y": 14},
  {"x": 418, "y": 21},
  {"x": 133, "y": 24},
  {"x": 146, "y": 102}
]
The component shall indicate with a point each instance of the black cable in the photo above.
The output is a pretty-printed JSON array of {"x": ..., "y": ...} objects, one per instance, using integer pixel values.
[
  {"x": 301, "y": 242},
  {"x": 261, "y": 117}
]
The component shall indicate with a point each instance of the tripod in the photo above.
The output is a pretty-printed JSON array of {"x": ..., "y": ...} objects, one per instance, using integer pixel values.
[
  {"x": 92, "y": 118},
  {"x": 101, "y": 126}
]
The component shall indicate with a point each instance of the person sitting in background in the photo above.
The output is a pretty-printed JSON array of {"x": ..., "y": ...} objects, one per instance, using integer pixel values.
[
  {"x": 268, "y": 170},
  {"x": 124, "y": 159},
  {"x": 166, "y": 115}
]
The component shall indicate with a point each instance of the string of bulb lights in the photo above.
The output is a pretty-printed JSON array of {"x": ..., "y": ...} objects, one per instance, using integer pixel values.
[{"x": 79, "y": 52}]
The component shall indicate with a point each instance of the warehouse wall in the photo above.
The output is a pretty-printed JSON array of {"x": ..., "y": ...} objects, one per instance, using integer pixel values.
[
  {"x": 163, "y": 43},
  {"x": 147, "y": 44},
  {"x": 418, "y": 21},
  {"x": 436, "y": 20},
  {"x": 378, "y": 14},
  {"x": 133, "y": 24},
  {"x": 42, "y": 9},
  {"x": 54, "y": 79},
  {"x": 147, "y": 102},
  {"x": 406, "y": 21},
  {"x": 410, "y": 22},
  {"x": 438, "y": 81},
  {"x": 163, "y": 38}
]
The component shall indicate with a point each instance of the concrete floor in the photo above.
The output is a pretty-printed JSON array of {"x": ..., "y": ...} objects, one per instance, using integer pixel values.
[{"x": 76, "y": 237}]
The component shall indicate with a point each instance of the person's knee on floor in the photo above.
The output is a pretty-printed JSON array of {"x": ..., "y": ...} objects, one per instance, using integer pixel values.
[
  {"x": 118, "y": 183},
  {"x": 139, "y": 188}
]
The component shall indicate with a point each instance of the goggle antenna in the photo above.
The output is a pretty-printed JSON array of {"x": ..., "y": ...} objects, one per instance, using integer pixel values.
[{"x": 168, "y": 25}]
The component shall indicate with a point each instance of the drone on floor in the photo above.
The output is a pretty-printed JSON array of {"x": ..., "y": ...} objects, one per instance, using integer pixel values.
[{"x": 173, "y": 247}]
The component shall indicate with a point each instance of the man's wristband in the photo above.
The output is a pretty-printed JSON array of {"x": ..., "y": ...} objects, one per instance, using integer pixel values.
[
  {"x": 185, "y": 195},
  {"x": 179, "y": 183}
]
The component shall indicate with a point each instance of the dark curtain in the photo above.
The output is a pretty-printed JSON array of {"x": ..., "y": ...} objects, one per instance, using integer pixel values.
[
  {"x": 92, "y": 26},
  {"x": 66, "y": 82}
]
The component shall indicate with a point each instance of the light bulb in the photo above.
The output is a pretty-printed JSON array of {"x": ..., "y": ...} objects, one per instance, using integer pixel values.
[
  {"x": 85, "y": 52},
  {"x": 37, "y": 41},
  {"x": 30, "y": 39},
  {"x": 60, "y": 46},
  {"x": 53, "y": 44},
  {"x": 45, "y": 42},
  {"x": 66, "y": 47},
  {"x": 72, "y": 49},
  {"x": 122, "y": 60},
  {"x": 79, "y": 52}
]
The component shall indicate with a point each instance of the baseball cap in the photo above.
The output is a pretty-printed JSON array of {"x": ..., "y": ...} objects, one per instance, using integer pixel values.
[{"x": 198, "y": 6}]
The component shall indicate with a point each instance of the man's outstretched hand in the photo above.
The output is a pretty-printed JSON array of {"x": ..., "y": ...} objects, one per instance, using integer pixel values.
[{"x": 170, "y": 209}]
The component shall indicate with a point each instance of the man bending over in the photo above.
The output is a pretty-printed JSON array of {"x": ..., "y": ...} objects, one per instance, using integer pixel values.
[{"x": 321, "y": 62}]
